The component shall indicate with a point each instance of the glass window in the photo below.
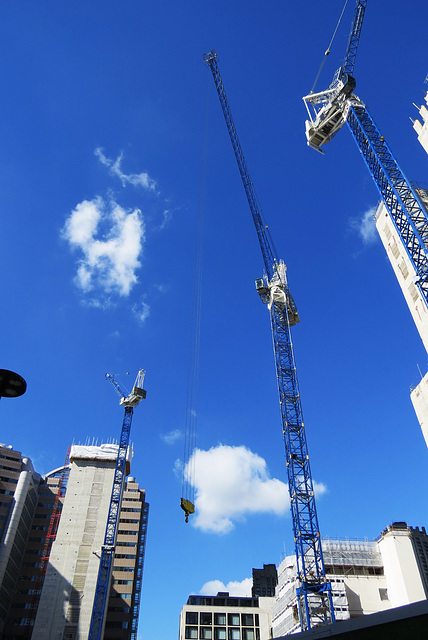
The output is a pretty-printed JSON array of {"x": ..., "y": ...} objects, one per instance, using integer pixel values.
[
  {"x": 206, "y": 633},
  {"x": 191, "y": 632},
  {"x": 234, "y": 634},
  {"x": 191, "y": 617},
  {"x": 220, "y": 633},
  {"x": 248, "y": 634},
  {"x": 219, "y": 618},
  {"x": 233, "y": 619},
  {"x": 206, "y": 618},
  {"x": 247, "y": 620}
]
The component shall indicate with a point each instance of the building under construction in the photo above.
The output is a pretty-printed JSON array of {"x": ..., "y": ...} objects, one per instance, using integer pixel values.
[{"x": 57, "y": 525}]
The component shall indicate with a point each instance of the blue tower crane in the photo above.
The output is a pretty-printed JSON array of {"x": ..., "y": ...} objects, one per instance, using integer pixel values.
[
  {"x": 328, "y": 111},
  {"x": 129, "y": 401},
  {"x": 314, "y": 591}
]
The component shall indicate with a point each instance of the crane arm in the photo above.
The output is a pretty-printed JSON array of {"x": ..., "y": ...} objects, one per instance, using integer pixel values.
[
  {"x": 400, "y": 198},
  {"x": 268, "y": 253},
  {"x": 354, "y": 38},
  {"x": 107, "y": 550},
  {"x": 314, "y": 594}
]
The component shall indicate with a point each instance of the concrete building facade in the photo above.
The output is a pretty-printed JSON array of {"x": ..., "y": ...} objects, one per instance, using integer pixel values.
[
  {"x": 421, "y": 128},
  {"x": 18, "y": 499},
  {"x": 224, "y": 617},
  {"x": 366, "y": 576},
  {"x": 406, "y": 274},
  {"x": 54, "y": 599}
]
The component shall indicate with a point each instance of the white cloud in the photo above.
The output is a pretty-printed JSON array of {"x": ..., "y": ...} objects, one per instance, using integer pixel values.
[
  {"x": 365, "y": 226},
  {"x": 136, "y": 179},
  {"x": 230, "y": 483},
  {"x": 236, "y": 589},
  {"x": 141, "y": 311},
  {"x": 171, "y": 436},
  {"x": 109, "y": 239}
]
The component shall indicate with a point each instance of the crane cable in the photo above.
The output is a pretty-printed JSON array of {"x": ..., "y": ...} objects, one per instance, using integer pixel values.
[
  {"x": 188, "y": 477},
  {"x": 329, "y": 47}
]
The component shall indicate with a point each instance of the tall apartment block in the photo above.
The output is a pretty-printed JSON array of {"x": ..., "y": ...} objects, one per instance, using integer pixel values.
[
  {"x": 56, "y": 582},
  {"x": 18, "y": 499},
  {"x": 421, "y": 128},
  {"x": 264, "y": 581},
  {"x": 366, "y": 576},
  {"x": 405, "y": 274}
]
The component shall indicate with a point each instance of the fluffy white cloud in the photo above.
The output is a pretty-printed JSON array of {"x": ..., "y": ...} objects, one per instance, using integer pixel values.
[
  {"x": 141, "y": 311},
  {"x": 365, "y": 226},
  {"x": 136, "y": 179},
  {"x": 230, "y": 483},
  {"x": 109, "y": 239},
  {"x": 236, "y": 589}
]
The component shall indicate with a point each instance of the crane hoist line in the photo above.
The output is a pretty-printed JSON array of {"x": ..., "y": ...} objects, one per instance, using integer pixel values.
[
  {"x": 129, "y": 401},
  {"x": 314, "y": 590},
  {"x": 328, "y": 111}
]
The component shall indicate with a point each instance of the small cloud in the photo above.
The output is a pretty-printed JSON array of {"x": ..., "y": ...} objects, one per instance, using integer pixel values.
[
  {"x": 136, "y": 179},
  {"x": 230, "y": 483},
  {"x": 141, "y": 311},
  {"x": 172, "y": 436},
  {"x": 365, "y": 226},
  {"x": 178, "y": 468},
  {"x": 109, "y": 240},
  {"x": 235, "y": 589}
]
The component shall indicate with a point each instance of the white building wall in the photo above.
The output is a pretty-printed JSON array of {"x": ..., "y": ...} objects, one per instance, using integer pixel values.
[
  {"x": 401, "y": 568},
  {"x": 404, "y": 271},
  {"x": 419, "y": 398},
  {"x": 421, "y": 128},
  {"x": 405, "y": 274},
  {"x": 69, "y": 586}
]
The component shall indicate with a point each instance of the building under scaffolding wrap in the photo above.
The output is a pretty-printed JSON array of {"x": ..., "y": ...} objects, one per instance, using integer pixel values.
[{"x": 366, "y": 576}]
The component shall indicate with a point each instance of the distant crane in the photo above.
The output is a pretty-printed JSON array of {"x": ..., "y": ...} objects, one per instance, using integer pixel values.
[
  {"x": 328, "y": 111},
  {"x": 314, "y": 593},
  {"x": 107, "y": 550}
]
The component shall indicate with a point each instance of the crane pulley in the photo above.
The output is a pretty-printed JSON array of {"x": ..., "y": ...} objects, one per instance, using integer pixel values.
[{"x": 314, "y": 593}]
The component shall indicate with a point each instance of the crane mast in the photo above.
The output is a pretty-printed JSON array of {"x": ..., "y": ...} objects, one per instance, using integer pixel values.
[
  {"x": 314, "y": 593},
  {"x": 129, "y": 401},
  {"x": 401, "y": 200}
]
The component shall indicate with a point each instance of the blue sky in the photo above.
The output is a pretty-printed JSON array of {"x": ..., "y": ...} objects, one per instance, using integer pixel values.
[{"x": 108, "y": 118}]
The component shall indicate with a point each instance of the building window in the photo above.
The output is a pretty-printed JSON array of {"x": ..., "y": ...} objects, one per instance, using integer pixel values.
[
  {"x": 247, "y": 620},
  {"x": 220, "y": 618},
  {"x": 206, "y": 633},
  {"x": 191, "y": 617},
  {"x": 191, "y": 632},
  {"x": 233, "y": 619},
  {"x": 248, "y": 634},
  {"x": 383, "y": 593},
  {"x": 234, "y": 634},
  {"x": 220, "y": 633},
  {"x": 206, "y": 618}
]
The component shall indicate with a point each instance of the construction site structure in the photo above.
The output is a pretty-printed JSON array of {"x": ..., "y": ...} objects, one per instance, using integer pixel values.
[
  {"x": 58, "y": 602},
  {"x": 402, "y": 216},
  {"x": 367, "y": 576},
  {"x": 129, "y": 401},
  {"x": 314, "y": 590}
]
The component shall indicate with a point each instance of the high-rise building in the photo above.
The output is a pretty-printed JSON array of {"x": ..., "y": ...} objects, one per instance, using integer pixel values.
[
  {"x": 421, "y": 128},
  {"x": 406, "y": 274},
  {"x": 224, "y": 617},
  {"x": 18, "y": 500},
  {"x": 366, "y": 576},
  {"x": 264, "y": 581},
  {"x": 56, "y": 582}
]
